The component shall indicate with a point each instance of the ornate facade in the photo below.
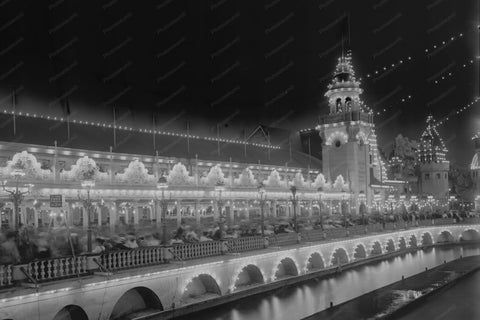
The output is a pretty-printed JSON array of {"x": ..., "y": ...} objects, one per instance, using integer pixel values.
[
  {"x": 434, "y": 166},
  {"x": 125, "y": 190},
  {"x": 349, "y": 142}
]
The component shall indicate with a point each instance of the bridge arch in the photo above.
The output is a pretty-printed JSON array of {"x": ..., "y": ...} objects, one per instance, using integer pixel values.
[
  {"x": 427, "y": 239},
  {"x": 315, "y": 261},
  {"x": 469, "y": 235},
  {"x": 402, "y": 243},
  {"x": 390, "y": 246},
  {"x": 445, "y": 236},
  {"x": 199, "y": 285},
  {"x": 359, "y": 252},
  {"x": 247, "y": 276},
  {"x": 412, "y": 242},
  {"x": 71, "y": 312},
  {"x": 376, "y": 248},
  {"x": 285, "y": 268},
  {"x": 339, "y": 256},
  {"x": 135, "y": 300}
]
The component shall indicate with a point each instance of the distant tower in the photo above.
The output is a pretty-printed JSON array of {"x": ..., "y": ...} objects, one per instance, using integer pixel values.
[
  {"x": 349, "y": 140},
  {"x": 475, "y": 165},
  {"x": 434, "y": 166}
]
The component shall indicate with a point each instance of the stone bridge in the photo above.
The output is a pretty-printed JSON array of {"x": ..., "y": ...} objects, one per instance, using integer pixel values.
[{"x": 174, "y": 285}]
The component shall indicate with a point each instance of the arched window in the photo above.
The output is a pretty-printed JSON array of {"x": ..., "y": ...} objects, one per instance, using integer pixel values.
[
  {"x": 348, "y": 103},
  {"x": 338, "y": 105}
]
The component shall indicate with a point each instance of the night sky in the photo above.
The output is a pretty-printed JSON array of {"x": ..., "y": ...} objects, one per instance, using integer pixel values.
[{"x": 241, "y": 63}]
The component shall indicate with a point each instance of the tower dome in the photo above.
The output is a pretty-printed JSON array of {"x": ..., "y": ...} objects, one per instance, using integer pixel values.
[
  {"x": 344, "y": 90},
  {"x": 475, "y": 164},
  {"x": 432, "y": 148}
]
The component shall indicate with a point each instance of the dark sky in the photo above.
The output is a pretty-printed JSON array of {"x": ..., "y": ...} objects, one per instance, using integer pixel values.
[{"x": 240, "y": 63}]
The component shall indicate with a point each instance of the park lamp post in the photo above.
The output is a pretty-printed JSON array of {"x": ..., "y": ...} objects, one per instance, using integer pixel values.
[
  {"x": 219, "y": 188},
  {"x": 345, "y": 197},
  {"x": 16, "y": 195},
  {"x": 320, "y": 194},
  {"x": 430, "y": 202},
  {"x": 262, "y": 198},
  {"x": 162, "y": 185},
  {"x": 294, "y": 199},
  {"x": 362, "y": 199},
  {"x": 88, "y": 184},
  {"x": 451, "y": 201}
]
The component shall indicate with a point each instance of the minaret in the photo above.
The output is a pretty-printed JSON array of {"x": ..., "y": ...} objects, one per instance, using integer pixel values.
[
  {"x": 434, "y": 166},
  {"x": 349, "y": 142}
]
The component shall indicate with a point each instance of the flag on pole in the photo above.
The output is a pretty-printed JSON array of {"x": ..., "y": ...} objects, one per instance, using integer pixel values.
[
  {"x": 188, "y": 137},
  {"x": 153, "y": 131},
  {"x": 245, "y": 142},
  {"x": 67, "y": 111},
  {"x": 218, "y": 138},
  {"x": 14, "y": 102},
  {"x": 290, "y": 147},
  {"x": 268, "y": 137},
  {"x": 309, "y": 152},
  {"x": 114, "y": 129}
]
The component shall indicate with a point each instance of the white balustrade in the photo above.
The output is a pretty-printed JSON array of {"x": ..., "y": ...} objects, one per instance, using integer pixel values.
[
  {"x": 189, "y": 251},
  {"x": 124, "y": 259},
  {"x": 56, "y": 268}
]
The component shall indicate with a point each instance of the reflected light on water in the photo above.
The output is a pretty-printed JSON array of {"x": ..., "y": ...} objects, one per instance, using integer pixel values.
[{"x": 304, "y": 299}]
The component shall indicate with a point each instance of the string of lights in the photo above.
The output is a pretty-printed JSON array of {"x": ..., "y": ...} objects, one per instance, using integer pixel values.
[
  {"x": 132, "y": 129},
  {"x": 457, "y": 111},
  {"x": 398, "y": 103},
  {"x": 387, "y": 68},
  {"x": 450, "y": 74}
]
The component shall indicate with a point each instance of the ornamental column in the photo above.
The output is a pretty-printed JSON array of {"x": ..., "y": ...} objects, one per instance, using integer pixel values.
[
  {"x": 230, "y": 213},
  {"x": 35, "y": 217},
  {"x": 99, "y": 215},
  {"x": 113, "y": 216},
  {"x": 178, "y": 207},
  {"x": 85, "y": 217},
  {"x": 23, "y": 214},
  {"x": 136, "y": 215},
  {"x": 216, "y": 211},
  {"x": 197, "y": 212}
]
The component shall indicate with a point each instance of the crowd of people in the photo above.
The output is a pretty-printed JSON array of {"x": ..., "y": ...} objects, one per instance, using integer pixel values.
[{"x": 28, "y": 244}]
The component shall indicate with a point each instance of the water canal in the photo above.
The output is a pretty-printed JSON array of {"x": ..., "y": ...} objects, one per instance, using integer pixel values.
[{"x": 304, "y": 299}]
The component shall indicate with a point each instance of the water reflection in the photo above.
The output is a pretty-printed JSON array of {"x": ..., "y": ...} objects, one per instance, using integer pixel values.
[{"x": 315, "y": 295}]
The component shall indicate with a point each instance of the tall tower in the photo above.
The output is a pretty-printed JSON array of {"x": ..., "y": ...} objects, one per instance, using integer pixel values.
[
  {"x": 349, "y": 141},
  {"x": 475, "y": 170},
  {"x": 434, "y": 166}
]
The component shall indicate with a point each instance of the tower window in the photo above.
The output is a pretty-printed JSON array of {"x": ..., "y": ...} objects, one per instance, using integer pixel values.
[
  {"x": 427, "y": 176},
  {"x": 338, "y": 143},
  {"x": 348, "y": 103},
  {"x": 439, "y": 176}
]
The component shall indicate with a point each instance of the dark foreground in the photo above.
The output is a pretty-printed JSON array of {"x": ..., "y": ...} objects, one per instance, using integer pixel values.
[{"x": 419, "y": 296}]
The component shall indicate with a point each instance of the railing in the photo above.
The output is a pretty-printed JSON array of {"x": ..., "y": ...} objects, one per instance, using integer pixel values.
[
  {"x": 125, "y": 259},
  {"x": 245, "y": 244},
  {"x": 57, "y": 268},
  {"x": 6, "y": 275},
  {"x": 190, "y": 251}
]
